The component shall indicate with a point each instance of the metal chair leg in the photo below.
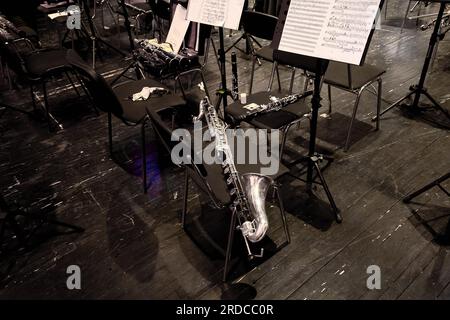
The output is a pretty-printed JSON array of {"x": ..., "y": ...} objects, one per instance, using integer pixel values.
[
  {"x": 252, "y": 74},
  {"x": 380, "y": 91},
  {"x": 385, "y": 9},
  {"x": 278, "y": 77},
  {"x": 46, "y": 106},
  {"x": 33, "y": 100},
  {"x": 283, "y": 214},
  {"x": 283, "y": 141},
  {"x": 355, "y": 108},
  {"x": 72, "y": 84},
  {"x": 291, "y": 86},
  {"x": 144, "y": 156},
  {"x": 110, "y": 137},
  {"x": 229, "y": 246},
  {"x": 2, "y": 232},
  {"x": 306, "y": 83},
  {"x": 8, "y": 76},
  {"x": 272, "y": 75},
  {"x": 406, "y": 17},
  {"x": 185, "y": 198},
  {"x": 215, "y": 52},
  {"x": 329, "y": 100}
]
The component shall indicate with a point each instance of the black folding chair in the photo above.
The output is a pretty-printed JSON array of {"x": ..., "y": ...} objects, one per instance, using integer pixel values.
[
  {"x": 356, "y": 80},
  {"x": 36, "y": 67},
  {"x": 117, "y": 101},
  {"x": 210, "y": 179}
]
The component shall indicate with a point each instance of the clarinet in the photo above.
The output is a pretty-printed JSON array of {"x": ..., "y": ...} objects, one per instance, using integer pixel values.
[
  {"x": 234, "y": 72},
  {"x": 276, "y": 104}
]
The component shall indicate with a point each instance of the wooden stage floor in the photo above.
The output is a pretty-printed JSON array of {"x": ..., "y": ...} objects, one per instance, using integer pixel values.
[{"x": 134, "y": 248}]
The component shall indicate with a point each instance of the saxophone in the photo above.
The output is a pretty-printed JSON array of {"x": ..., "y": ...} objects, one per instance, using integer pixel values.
[
  {"x": 248, "y": 192},
  {"x": 275, "y": 104}
]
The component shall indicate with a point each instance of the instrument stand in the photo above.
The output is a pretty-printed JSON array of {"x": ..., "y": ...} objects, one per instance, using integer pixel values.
[
  {"x": 419, "y": 89},
  {"x": 435, "y": 183},
  {"x": 95, "y": 39}
]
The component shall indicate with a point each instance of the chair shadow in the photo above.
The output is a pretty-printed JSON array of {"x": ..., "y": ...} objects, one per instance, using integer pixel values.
[
  {"x": 39, "y": 202},
  {"x": 69, "y": 109},
  {"x": 334, "y": 130},
  {"x": 433, "y": 219},
  {"x": 305, "y": 205},
  {"x": 127, "y": 154},
  {"x": 208, "y": 229},
  {"x": 133, "y": 245},
  {"x": 427, "y": 114}
]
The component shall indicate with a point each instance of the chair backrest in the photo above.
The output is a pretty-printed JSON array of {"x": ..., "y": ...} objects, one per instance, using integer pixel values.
[
  {"x": 310, "y": 64},
  {"x": 100, "y": 91},
  {"x": 207, "y": 177},
  {"x": 15, "y": 44},
  {"x": 160, "y": 9},
  {"x": 259, "y": 25}
]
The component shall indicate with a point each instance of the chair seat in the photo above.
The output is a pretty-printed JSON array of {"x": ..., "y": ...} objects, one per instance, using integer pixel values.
[
  {"x": 135, "y": 111},
  {"x": 271, "y": 120},
  {"x": 43, "y": 63},
  {"x": 213, "y": 173},
  {"x": 265, "y": 53},
  {"x": 337, "y": 75}
]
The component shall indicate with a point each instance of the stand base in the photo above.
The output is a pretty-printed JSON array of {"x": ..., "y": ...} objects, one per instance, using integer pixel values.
[
  {"x": 415, "y": 108},
  {"x": 133, "y": 65},
  {"x": 10, "y": 221},
  {"x": 435, "y": 183},
  {"x": 315, "y": 161}
]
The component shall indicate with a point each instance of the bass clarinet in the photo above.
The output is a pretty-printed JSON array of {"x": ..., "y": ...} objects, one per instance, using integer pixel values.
[{"x": 248, "y": 192}]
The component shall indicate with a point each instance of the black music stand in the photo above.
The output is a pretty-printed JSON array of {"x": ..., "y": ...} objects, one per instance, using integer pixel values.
[
  {"x": 318, "y": 67},
  {"x": 95, "y": 39},
  {"x": 419, "y": 89},
  {"x": 223, "y": 92},
  {"x": 245, "y": 36},
  {"x": 134, "y": 64}
]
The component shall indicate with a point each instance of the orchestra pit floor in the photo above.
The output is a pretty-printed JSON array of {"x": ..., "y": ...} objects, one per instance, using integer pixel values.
[{"x": 133, "y": 245}]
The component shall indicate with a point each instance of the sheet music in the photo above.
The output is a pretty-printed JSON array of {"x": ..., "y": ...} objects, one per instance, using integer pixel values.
[
  {"x": 178, "y": 28},
  {"x": 219, "y": 13},
  {"x": 330, "y": 29}
]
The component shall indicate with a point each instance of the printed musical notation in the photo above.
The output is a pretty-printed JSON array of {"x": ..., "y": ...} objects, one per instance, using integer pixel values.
[
  {"x": 330, "y": 29},
  {"x": 219, "y": 13}
]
